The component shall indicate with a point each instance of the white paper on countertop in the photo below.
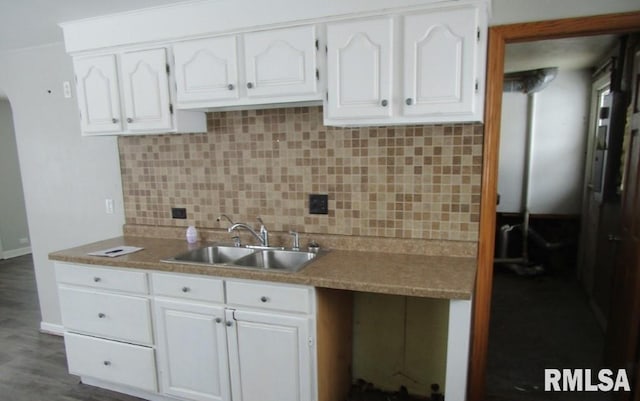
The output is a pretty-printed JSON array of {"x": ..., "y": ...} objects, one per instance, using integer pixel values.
[{"x": 116, "y": 251}]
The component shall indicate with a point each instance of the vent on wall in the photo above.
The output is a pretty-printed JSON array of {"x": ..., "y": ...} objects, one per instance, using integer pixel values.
[{"x": 529, "y": 81}]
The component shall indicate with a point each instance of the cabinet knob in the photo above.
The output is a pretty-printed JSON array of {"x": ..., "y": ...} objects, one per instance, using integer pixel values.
[
  {"x": 129, "y": 119},
  {"x": 230, "y": 87},
  {"x": 249, "y": 85},
  {"x": 229, "y": 323},
  {"x": 384, "y": 102},
  {"x": 186, "y": 289},
  {"x": 101, "y": 315},
  {"x": 218, "y": 320},
  {"x": 106, "y": 363},
  {"x": 409, "y": 101},
  {"x": 114, "y": 120},
  {"x": 264, "y": 299},
  {"x": 97, "y": 279}
]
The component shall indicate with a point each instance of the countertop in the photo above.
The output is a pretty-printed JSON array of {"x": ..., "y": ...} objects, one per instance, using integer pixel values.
[{"x": 443, "y": 277}]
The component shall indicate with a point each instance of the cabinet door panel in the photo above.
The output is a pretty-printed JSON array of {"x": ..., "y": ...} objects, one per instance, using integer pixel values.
[
  {"x": 146, "y": 90},
  {"x": 192, "y": 350},
  {"x": 439, "y": 62},
  {"x": 281, "y": 62},
  {"x": 360, "y": 68},
  {"x": 206, "y": 69},
  {"x": 270, "y": 357},
  {"x": 98, "y": 94}
]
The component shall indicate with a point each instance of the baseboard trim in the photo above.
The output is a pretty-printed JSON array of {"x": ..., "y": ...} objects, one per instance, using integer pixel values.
[
  {"x": 50, "y": 328},
  {"x": 14, "y": 253}
]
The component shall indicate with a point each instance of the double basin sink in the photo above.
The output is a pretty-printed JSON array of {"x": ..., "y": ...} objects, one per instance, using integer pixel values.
[{"x": 278, "y": 259}]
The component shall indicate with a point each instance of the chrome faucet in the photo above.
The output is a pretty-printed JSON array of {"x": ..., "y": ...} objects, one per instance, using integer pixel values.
[
  {"x": 263, "y": 237},
  {"x": 236, "y": 237},
  {"x": 296, "y": 240}
]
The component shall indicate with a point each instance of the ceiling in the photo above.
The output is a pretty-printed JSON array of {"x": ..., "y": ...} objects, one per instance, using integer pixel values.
[
  {"x": 569, "y": 53},
  {"x": 28, "y": 23}
]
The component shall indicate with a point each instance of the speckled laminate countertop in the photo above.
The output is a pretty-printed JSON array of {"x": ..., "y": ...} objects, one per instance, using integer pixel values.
[{"x": 387, "y": 273}]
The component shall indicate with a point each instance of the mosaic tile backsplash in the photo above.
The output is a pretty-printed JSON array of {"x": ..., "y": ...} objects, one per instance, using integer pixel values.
[{"x": 419, "y": 182}]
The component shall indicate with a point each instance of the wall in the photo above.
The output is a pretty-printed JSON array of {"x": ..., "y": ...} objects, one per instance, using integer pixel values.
[
  {"x": 14, "y": 233},
  {"x": 513, "y": 11},
  {"x": 420, "y": 182},
  {"x": 65, "y": 176},
  {"x": 560, "y": 140}
]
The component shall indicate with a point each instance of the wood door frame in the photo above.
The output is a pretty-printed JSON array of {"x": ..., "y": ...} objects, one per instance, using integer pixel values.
[{"x": 499, "y": 36}]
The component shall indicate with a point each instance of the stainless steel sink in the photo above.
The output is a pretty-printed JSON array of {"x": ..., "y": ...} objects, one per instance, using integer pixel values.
[
  {"x": 256, "y": 258},
  {"x": 211, "y": 255},
  {"x": 276, "y": 259}
]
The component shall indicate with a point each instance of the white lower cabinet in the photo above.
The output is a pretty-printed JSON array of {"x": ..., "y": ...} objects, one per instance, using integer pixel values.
[
  {"x": 270, "y": 356},
  {"x": 192, "y": 350},
  {"x": 171, "y": 336},
  {"x": 250, "y": 348}
]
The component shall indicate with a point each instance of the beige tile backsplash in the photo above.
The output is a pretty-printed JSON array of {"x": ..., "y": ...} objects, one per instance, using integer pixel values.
[{"x": 419, "y": 182}]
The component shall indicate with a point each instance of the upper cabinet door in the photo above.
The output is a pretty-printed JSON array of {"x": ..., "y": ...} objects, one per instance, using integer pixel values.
[
  {"x": 439, "y": 62},
  {"x": 359, "y": 64},
  {"x": 281, "y": 62},
  {"x": 98, "y": 94},
  {"x": 206, "y": 70},
  {"x": 146, "y": 90}
]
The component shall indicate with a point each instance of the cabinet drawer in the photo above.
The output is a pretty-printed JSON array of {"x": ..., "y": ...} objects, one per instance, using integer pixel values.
[
  {"x": 103, "y": 278},
  {"x": 188, "y": 287},
  {"x": 269, "y": 296},
  {"x": 130, "y": 365},
  {"x": 116, "y": 316}
]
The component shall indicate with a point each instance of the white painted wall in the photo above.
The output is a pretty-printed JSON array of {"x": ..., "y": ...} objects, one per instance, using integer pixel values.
[
  {"x": 560, "y": 140},
  {"x": 13, "y": 216},
  {"x": 65, "y": 176},
  {"x": 513, "y": 11}
]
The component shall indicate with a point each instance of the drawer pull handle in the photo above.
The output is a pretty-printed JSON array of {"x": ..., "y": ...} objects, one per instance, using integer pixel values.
[
  {"x": 107, "y": 363},
  {"x": 101, "y": 315},
  {"x": 186, "y": 289},
  {"x": 97, "y": 279},
  {"x": 218, "y": 320},
  {"x": 229, "y": 323},
  {"x": 264, "y": 299}
]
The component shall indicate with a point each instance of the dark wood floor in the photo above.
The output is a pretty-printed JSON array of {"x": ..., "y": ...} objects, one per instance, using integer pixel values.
[{"x": 32, "y": 364}]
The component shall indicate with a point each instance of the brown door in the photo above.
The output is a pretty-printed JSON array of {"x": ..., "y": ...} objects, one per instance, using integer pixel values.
[{"x": 623, "y": 332}]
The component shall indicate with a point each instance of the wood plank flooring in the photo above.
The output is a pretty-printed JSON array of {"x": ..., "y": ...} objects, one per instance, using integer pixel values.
[{"x": 33, "y": 366}]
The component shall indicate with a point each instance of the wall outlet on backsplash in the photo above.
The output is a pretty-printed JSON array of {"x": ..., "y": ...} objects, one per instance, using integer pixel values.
[
  {"x": 318, "y": 204},
  {"x": 178, "y": 213}
]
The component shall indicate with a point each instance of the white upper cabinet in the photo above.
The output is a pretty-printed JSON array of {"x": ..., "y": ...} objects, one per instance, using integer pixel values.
[
  {"x": 206, "y": 70},
  {"x": 281, "y": 62},
  {"x": 439, "y": 69},
  {"x": 147, "y": 102},
  {"x": 425, "y": 67},
  {"x": 273, "y": 66},
  {"x": 130, "y": 93},
  {"x": 360, "y": 65},
  {"x": 98, "y": 94}
]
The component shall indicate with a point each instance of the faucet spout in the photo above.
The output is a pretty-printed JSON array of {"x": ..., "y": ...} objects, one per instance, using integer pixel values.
[{"x": 251, "y": 230}]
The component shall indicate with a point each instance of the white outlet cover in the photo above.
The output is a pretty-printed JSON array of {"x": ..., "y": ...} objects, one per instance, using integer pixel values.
[{"x": 66, "y": 89}]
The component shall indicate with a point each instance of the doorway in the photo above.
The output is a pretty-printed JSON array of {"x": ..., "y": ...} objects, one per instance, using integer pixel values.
[
  {"x": 499, "y": 36},
  {"x": 14, "y": 231}
]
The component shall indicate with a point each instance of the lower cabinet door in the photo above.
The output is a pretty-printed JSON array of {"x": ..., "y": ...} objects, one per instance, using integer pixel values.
[
  {"x": 270, "y": 357},
  {"x": 112, "y": 361},
  {"x": 192, "y": 350}
]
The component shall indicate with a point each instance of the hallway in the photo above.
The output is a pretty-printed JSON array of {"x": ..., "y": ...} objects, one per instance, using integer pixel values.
[{"x": 539, "y": 322}]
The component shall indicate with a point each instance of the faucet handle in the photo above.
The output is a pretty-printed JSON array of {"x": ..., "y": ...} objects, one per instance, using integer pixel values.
[
  {"x": 224, "y": 216},
  {"x": 296, "y": 240},
  {"x": 263, "y": 232}
]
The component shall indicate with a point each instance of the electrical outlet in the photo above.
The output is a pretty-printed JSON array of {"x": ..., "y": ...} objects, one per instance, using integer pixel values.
[
  {"x": 178, "y": 213},
  {"x": 318, "y": 204},
  {"x": 108, "y": 206},
  {"x": 23, "y": 241},
  {"x": 66, "y": 89}
]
